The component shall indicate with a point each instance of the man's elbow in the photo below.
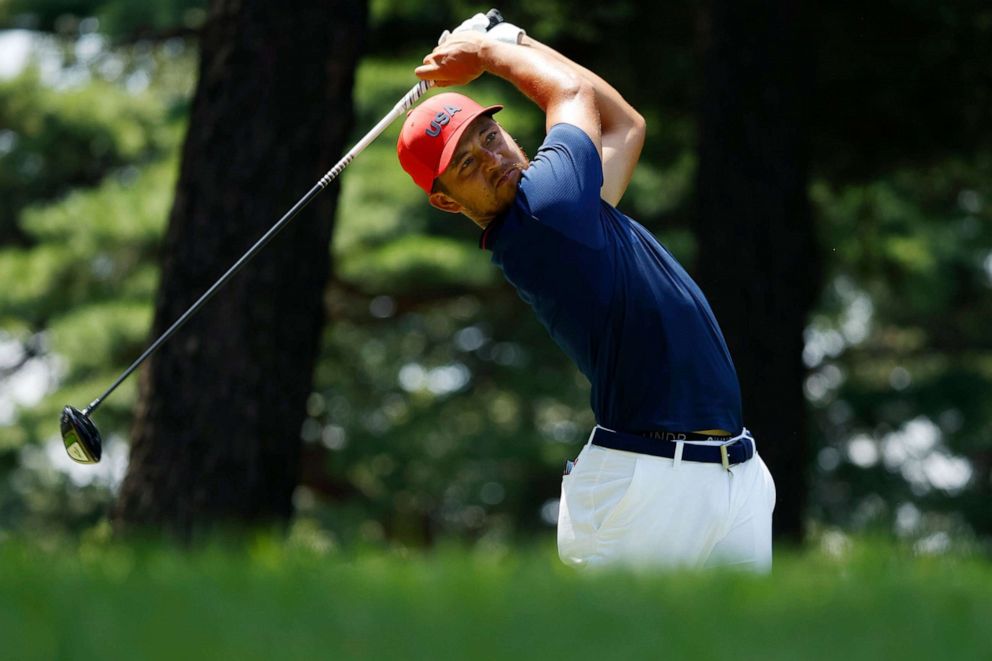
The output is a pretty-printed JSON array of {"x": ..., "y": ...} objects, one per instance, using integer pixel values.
[
  {"x": 567, "y": 91},
  {"x": 577, "y": 89},
  {"x": 638, "y": 129}
]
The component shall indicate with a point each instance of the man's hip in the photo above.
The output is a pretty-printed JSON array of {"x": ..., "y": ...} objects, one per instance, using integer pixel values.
[{"x": 646, "y": 508}]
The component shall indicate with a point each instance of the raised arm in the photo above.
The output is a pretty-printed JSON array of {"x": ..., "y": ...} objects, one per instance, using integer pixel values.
[
  {"x": 623, "y": 127},
  {"x": 557, "y": 88}
]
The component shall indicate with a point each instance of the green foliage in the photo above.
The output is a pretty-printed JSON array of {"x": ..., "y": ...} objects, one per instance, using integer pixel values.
[
  {"x": 77, "y": 286},
  {"x": 58, "y": 140},
  {"x": 440, "y": 406},
  {"x": 454, "y": 417},
  {"x": 417, "y": 263},
  {"x": 909, "y": 374},
  {"x": 302, "y": 601},
  {"x": 127, "y": 19},
  {"x": 91, "y": 244}
]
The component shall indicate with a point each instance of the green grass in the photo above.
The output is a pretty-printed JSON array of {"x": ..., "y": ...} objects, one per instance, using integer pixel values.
[{"x": 274, "y": 601}]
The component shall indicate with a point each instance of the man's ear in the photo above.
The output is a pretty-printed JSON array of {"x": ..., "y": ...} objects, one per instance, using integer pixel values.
[{"x": 445, "y": 203}]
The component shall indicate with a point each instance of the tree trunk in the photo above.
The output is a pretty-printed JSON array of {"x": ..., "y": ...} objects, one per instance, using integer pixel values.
[
  {"x": 757, "y": 251},
  {"x": 217, "y": 434}
]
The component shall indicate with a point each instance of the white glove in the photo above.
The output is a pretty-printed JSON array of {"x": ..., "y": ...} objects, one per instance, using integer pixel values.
[
  {"x": 478, "y": 23},
  {"x": 504, "y": 32},
  {"x": 508, "y": 33}
]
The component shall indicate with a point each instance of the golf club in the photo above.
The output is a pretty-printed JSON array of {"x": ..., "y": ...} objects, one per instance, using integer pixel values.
[{"x": 81, "y": 437}]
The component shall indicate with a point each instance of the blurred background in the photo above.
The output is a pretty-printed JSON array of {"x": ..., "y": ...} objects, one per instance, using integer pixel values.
[{"x": 823, "y": 171}]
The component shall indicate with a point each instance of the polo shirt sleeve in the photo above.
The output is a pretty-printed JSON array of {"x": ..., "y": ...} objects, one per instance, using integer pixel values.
[{"x": 561, "y": 187}]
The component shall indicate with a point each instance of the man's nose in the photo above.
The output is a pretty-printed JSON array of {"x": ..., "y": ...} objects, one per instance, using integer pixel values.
[{"x": 490, "y": 160}]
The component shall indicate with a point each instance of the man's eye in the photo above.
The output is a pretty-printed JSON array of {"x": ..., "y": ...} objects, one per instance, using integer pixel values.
[
  {"x": 491, "y": 136},
  {"x": 466, "y": 162}
]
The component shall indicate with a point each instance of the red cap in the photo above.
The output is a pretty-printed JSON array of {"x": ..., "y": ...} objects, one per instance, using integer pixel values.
[{"x": 431, "y": 132}]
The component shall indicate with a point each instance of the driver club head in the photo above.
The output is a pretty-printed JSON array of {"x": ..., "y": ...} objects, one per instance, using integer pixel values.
[{"x": 81, "y": 437}]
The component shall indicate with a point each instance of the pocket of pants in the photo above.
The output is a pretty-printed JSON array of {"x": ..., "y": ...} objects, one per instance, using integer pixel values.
[
  {"x": 575, "y": 464},
  {"x": 615, "y": 489}
]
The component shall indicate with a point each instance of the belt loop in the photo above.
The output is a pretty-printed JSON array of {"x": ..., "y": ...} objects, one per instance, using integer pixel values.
[
  {"x": 749, "y": 436},
  {"x": 724, "y": 459},
  {"x": 677, "y": 459}
]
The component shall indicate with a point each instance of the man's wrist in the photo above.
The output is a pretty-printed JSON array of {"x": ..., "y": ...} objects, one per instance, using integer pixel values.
[
  {"x": 489, "y": 52},
  {"x": 508, "y": 33}
]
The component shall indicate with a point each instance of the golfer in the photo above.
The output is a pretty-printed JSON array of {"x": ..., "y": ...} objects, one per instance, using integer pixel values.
[{"x": 669, "y": 476}]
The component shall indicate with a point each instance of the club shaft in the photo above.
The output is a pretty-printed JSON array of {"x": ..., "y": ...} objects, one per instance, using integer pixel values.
[{"x": 402, "y": 106}]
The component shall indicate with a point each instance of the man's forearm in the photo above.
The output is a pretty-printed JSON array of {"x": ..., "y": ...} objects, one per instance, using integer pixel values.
[
  {"x": 557, "y": 88},
  {"x": 538, "y": 74},
  {"x": 623, "y": 127},
  {"x": 614, "y": 111}
]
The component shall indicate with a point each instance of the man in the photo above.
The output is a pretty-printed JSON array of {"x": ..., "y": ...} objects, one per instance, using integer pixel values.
[{"x": 669, "y": 475}]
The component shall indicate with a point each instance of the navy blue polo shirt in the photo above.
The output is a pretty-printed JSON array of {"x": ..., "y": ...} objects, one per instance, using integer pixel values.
[{"x": 614, "y": 299}]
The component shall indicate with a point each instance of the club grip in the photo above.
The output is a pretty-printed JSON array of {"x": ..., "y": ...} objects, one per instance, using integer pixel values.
[{"x": 495, "y": 18}]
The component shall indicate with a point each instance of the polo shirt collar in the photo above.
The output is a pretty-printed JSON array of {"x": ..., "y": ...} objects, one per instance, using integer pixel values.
[{"x": 488, "y": 237}]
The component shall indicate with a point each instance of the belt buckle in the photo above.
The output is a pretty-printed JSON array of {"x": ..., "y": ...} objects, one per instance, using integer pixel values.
[{"x": 724, "y": 457}]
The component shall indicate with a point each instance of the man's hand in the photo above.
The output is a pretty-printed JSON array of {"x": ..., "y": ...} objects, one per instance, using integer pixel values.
[
  {"x": 458, "y": 61},
  {"x": 560, "y": 92},
  {"x": 505, "y": 32},
  {"x": 478, "y": 23}
]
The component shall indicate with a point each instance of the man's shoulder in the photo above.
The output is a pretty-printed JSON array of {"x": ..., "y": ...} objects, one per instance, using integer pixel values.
[
  {"x": 569, "y": 135},
  {"x": 565, "y": 171},
  {"x": 558, "y": 194}
]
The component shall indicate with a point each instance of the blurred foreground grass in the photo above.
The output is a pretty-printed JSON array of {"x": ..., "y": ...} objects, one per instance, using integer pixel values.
[{"x": 276, "y": 601}]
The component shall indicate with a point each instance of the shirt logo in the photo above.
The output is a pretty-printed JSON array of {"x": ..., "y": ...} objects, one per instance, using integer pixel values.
[{"x": 441, "y": 119}]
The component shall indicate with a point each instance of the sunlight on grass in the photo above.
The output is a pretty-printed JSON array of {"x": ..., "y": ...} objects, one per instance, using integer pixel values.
[{"x": 289, "y": 600}]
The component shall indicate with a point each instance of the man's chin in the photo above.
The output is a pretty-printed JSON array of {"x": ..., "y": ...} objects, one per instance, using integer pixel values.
[
  {"x": 506, "y": 197},
  {"x": 506, "y": 188}
]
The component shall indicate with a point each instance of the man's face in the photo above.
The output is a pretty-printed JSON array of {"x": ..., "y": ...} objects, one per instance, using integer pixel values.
[{"x": 481, "y": 180}]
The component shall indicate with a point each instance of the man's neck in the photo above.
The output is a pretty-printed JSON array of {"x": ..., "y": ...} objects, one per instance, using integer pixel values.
[{"x": 481, "y": 221}]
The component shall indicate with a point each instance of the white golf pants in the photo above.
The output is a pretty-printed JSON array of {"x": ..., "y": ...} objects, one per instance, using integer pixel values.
[{"x": 625, "y": 508}]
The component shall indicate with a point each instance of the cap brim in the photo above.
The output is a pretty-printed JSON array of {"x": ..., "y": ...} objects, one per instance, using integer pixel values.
[{"x": 452, "y": 142}]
